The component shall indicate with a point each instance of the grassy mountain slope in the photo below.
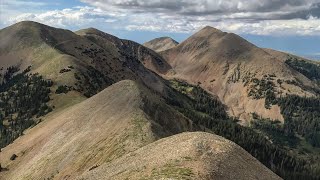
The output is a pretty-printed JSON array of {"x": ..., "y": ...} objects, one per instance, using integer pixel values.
[
  {"x": 30, "y": 43},
  {"x": 77, "y": 66},
  {"x": 100, "y": 129},
  {"x": 184, "y": 156},
  {"x": 63, "y": 147},
  {"x": 80, "y": 62}
]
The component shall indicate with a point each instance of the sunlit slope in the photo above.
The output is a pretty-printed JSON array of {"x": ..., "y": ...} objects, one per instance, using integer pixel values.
[
  {"x": 98, "y": 130},
  {"x": 185, "y": 156}
]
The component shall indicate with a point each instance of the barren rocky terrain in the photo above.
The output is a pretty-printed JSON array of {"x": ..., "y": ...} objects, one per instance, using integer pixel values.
[{"x": 226, "y": 64}]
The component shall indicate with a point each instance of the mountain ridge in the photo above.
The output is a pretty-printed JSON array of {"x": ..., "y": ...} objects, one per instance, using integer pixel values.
[
  {"x": 219, "y": 61},
  {"x": 51, "y": 50},
  {"x": 161, "y": 44},
  {"x": 193, "y": 155},
  {"x": 62, "y": 147},
  {"x": 115, "y": 116}
]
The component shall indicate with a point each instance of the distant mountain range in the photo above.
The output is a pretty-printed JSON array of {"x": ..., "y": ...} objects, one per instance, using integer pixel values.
[
  {"x": 313, "y": 57},
  {"x": 88, "y": 105}
]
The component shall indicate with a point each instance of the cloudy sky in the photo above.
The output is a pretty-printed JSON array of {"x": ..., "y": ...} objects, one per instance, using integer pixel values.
[{"x": 288, "y": 25}]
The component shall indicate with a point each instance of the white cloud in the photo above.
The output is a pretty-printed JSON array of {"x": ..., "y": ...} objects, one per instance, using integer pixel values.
[
  {"x": 309, "y": 26},
  {"x": 76, "y": 17},
  {"x": 282, "y": 17},
  {"x": 262, "y": 17},
  {"x": 204, "y": 7}
]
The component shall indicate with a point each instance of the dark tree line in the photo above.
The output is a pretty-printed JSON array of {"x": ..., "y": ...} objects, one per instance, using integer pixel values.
[
  {"x": 263, "y": 88},
  {"x": 275, "y": 131},
  {"x": 302, "y": 115},
  {"x": 310, "y": 70},
  {"x": 202, "y": 101},
  {"x": 214, "y": 117},
  {"x": 23, "y": 99},
  {"x": 92, "y": 81},
  {"x": 62, "y": 89}
]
